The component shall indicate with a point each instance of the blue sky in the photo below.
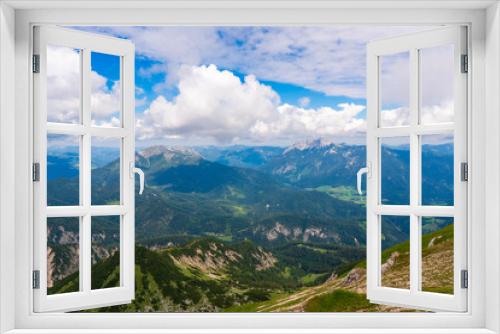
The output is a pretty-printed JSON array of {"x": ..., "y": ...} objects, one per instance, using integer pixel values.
[{"x": 252, "y": 85}]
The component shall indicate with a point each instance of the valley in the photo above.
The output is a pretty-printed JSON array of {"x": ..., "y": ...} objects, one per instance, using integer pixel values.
[{"x": 240, "y": 229}]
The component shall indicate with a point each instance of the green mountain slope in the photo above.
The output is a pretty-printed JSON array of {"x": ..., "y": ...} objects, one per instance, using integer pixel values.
[
  {"x": 188, "y": 195},
  {"x": 203, "y": 275},
  {"x": 207, "y": 275},
  {"x": 346, "y": 290},
  {"x": 322, "y": 165}
]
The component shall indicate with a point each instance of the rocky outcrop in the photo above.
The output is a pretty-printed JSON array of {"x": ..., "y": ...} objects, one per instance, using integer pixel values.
[
  {"x": 217, "y": 258},
  {"x": 59, "y": 235},
  {"x": 354, "y": 275},
  {"x": 267, "y": 260},
  {"x": 390, "y": 262},
  {"x": 332, "y": 277},
  {"x": 313, "y": 232},
  {"x": 61, "y": 262}
]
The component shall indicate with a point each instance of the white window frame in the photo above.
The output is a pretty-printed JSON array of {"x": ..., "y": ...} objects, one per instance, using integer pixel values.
[
  {"x": 413, "y": 44},
  {"x": 87, "y": 43},
  {"x": 484, "y": 47}
]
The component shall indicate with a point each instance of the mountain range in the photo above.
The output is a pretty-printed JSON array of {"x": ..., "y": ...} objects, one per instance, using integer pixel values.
[
  {"x": 297, "y": 203},
  {"x": 208, "y": 275}
]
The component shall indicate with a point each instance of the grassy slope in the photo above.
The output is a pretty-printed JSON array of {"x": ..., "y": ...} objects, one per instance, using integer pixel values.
[
  {"x": 162, "y": 284},
  {"x": 336, "y": 296}
]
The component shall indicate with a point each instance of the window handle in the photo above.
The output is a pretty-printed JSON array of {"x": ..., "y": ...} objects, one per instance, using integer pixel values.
[
  {"x": 141, "y": 176},
  {"x": 368, "y": 171}
]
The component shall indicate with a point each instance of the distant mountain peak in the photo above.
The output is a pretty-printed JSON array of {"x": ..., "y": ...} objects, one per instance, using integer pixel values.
[
  {"x": 169, "y": 151},
  {"x": 309, "y": 144}
]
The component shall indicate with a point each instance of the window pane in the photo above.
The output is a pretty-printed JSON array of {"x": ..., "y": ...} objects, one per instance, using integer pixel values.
[
  {"x": 437, "y": 255},
  {"x": 105, "y": 171},
  {"x": 437, "y": 169},
  {"x": 437, "y": 66},
  {"x": 63, "y": 84},
  {"x": 63, "y": 255},
  {"x": 63, "y": 170},
  {"x": 395, "y": 171},
  {"x": 395, "y": 255},
  {"x": 395, "y": 90},
  {"x": 105, "y": 90},
  {"x": 105, "y": 252}
]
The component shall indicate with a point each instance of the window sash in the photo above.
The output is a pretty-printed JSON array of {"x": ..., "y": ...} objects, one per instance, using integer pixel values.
[
  {"x": 86, "y": 297},
  {"x": 414, "y": 298}
]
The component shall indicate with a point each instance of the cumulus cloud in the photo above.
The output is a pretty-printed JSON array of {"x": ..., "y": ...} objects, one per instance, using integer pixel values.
[
  {"x": 395, "y": 117},
  {"x": 331, "y": 59},
  {"x": 438, "y": 113},
  {"x": 216, "y": 104},
  {"x": 292, "y": 122},
  {"x": 63, "y": 85},
  {"x": 104, "y": 101},
  {"x": 211, "y": 103},
  {"x": 430, "y": 114},
  {"x": 63, "y": 90}
]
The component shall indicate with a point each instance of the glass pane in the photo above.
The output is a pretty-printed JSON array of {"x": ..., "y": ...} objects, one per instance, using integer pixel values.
[
  {"x": 105, "y": 171},
  {"x": 395, "y": 171},
  {"x": 437, "y": 169},
  {"x": 63, "y": 255},
  {"x": 105, "y": 252},
  {"x": 63, "y": 84},
  {"x": 63, "y": 170},
  {"x": 395, "y": 238},
  {"x": 105, "y": 90},
  {"x": 437, "y": 66},
  {"x": 437, "y": 255},
  {"x": 395, "y": 90}
]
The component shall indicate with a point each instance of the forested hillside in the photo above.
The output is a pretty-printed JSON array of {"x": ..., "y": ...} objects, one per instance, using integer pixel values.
[{"x": 217, "y": 228}]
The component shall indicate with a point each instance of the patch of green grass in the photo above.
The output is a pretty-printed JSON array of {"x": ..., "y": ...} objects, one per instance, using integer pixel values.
[
  {"x": 310, "y": 278},
  {"x": 254, "y": 307},
  {"x": 224, "y": 238},
  {"x": 287, "y": 273},
  {"x": 339, "y": 301},
  {"x": 342, "y": 193},
  {"x": 237, "y": 210},
  {"x": 313, "y": 248}
]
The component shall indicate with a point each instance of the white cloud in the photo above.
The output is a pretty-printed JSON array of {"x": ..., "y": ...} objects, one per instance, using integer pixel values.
[
  {"x": 296, "y": 122},
  {"x": 304, "y": 101},
  {"x": 433, "y": 114},
  {"x": 217, "y": 105},
  {"x": 104, "y": 101},
  {"x": 63, "y": 85},
  {"x": 331, "y": 59},
  {"x": 439, "y": 113},
  {"x": 63, "y": 89},
  {"x": 395, "y": 117},
  {"x": 211, "y": 103},
  {"x": 437, "y": 75}
]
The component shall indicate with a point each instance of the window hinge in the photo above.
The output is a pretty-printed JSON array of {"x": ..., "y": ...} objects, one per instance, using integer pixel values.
[
  {"x": 465, "y": 279},
  {"x": 36, "y": 172},
  {"x": 36, "y": 63},
  {"x": 36, "y": 279},
  {"x": 465, "y": 64},
  {"x": 464, "y": 170}
]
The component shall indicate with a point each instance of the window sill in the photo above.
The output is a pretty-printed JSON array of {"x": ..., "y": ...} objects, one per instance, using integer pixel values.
[{"x": 251, "y": 331}]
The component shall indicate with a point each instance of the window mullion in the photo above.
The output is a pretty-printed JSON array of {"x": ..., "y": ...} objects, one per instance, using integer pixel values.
[
  {"x": 414, "y": 172},
  {"x": 85, "y": 170}
]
